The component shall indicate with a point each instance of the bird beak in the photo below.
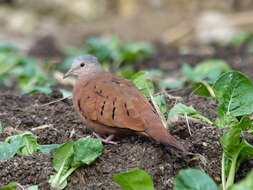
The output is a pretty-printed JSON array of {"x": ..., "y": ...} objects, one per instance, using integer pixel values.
[{"x": 67, "y": 74}]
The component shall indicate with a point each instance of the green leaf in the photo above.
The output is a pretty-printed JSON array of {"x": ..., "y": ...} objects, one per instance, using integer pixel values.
[
  {"x": 136, "y": 179},
  {"x": 6, "y": 47},
  {"x": 177, "y": 84},
  {"x": 7, "y": 62},
  {"x": 234, "y": 92},
  {"x": 46, "y": 149},
  {"x": 160, "y": 101},
  {"x": 10, "y": 186},
  {"x": 225, "y": 121},
  {"x": 143, "y": 83},
  {"x": 34, "y": 187},
  {"x": 193, "y": 179},
  {"x": 211, "y": 65},
  {"x": 127, "y": 71},
  {"x": 45, "y": 89},
  {"x": 86, "y": 151},
  {"x": 181, "y": 109},
  {"x": 28, "y": 143},
  {"x": 7, "y": 150},
  {"x": 63, "y": 156},
  {"x": 244, "y": 184},
  {"x": 62, "y": 159},
  {"x": 236, "y": 146},
  {"x": 240, "y": 38},
  {"x": 201, "y": 89}
]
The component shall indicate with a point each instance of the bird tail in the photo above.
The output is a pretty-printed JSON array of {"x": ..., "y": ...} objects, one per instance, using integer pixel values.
[{"x": 161, "y": 135}]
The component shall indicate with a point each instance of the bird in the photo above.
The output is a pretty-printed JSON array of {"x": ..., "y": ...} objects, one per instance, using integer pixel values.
[{"x": 112, "y": 106}]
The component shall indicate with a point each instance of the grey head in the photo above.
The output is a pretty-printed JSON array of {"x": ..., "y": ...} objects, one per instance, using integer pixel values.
[{"x": 84, "y": 65}]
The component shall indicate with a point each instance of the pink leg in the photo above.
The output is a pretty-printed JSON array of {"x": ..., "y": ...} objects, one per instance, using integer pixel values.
[{"x": 107, "y": 140}]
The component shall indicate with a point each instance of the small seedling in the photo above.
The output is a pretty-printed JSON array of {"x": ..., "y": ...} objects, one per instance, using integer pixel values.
[{"x": 69, "y": 156}]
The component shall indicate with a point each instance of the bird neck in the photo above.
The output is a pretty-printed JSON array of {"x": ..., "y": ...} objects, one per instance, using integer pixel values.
[{"x": 85, "y": 77}]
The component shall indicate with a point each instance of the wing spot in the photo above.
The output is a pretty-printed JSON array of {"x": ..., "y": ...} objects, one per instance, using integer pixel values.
[
  {"x": 88, "y": 97},
  {"x": 79, "y": 105},
  {"x": 128, "y": 114},
  {"x": 113, "y": 112},
  {"x": 100, "y": 91},
  {"x": 107, "y": 97},
  {"x": 102, "y": 109},
  {"x": 95, "y": 87}
]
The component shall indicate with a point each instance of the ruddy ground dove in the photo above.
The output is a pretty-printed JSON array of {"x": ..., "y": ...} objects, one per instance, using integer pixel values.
[{"x": 111, "y": 105}]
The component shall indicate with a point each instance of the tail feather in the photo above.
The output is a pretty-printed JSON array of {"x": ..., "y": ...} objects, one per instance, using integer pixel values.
[{"x": 161, "y": 135}]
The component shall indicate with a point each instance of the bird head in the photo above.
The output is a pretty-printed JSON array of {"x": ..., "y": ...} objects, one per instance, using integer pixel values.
[{"x": 84, "y": 64}]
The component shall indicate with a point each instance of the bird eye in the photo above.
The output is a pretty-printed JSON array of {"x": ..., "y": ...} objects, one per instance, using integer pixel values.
[{"x": 82, "y": 64}]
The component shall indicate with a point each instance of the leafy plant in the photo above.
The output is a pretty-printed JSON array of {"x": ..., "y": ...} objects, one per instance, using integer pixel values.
[
  {"x": 143, "y": 83},
  {"x": 24, "y": 70},
  {"x": 245, "y": 184},
  {"x": 193, "y": 179},
  {"x": 136, "y": 179},
  {"x": 202, "y": 76},
  {"x": 23, "y": 144},
  {"x": 181, "y": 109},
  {"x": 10, "y": 186},
  {"x": 13, "y": 185},
  {"x": 69, "y": 156},
  {"x": 233, "y": 91},
  {"x": 110, "y": 51}
]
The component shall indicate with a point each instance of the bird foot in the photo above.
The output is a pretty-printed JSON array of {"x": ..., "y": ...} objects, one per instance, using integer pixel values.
[{"x": 107, "y": 140}]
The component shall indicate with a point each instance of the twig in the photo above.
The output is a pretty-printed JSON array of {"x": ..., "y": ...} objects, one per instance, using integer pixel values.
[
  {"x": 157, "y": 108},
  {"x": 187, "y": 122},
  {"x": 42, "y": 127},
  {"x": 170, "y": 96},
  {"x": 55, "y": 101}
]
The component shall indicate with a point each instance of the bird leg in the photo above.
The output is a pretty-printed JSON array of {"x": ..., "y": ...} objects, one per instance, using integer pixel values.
[{"x": 107, "y": 140}]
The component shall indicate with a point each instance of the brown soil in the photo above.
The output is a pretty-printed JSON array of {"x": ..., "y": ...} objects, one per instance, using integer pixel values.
[{"x": 23, "y": 113}]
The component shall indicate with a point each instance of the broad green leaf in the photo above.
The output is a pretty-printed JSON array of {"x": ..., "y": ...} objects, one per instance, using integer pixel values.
[
  {"x": 28, "y": 143},
  {"x": 10, "y": 186},
  {"x": 181, "y": 109},
  {"x": 63, "y": 156},
  {"x": 86, "y": 151},
  {"x": 244, "y": 184},
  {"x": 34, "y": 187},
  {"x": 46, "y": 149},
  {"x": 193, "y": 179},
  {"x": 7, "y": 150},
  {"x": 143, "y": 83},
  {"x": 210, "y": 65},
  {"x": 136, "y": 179},
  {"x": 234, "y": 92}
]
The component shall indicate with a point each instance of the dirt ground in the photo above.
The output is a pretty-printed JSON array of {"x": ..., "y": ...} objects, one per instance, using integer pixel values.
[{"x": 27, "y": 112}]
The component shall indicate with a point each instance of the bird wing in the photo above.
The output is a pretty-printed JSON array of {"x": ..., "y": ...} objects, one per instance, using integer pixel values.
[{"x": 113, "y": 101}]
